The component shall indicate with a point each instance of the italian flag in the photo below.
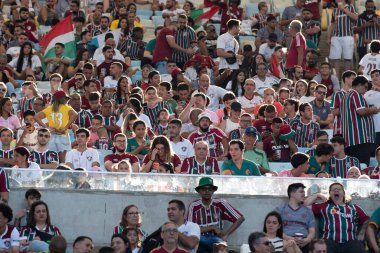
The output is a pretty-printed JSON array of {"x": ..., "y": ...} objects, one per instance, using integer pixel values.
[
  {"x": 202, "y": 16},
  {"x": 62, "y": 32}
]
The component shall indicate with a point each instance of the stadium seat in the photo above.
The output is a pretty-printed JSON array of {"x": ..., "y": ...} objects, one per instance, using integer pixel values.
[
  {"x": 279, "y": 166},
  {"x": 102, "y": 154},
  {"x": 144, "y": 13},
  {"x": 251, "y": 9},
  {"x": 157, "y": 14},
  {"x": 135, "y": 64},
  {"x": 137, "y": 76},
  {"x": 158, "y": 20}
]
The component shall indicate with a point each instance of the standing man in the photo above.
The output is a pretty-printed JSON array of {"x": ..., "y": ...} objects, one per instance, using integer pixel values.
[
  {"x": 347, "y": 78},
  {"x": 119, "y": 154},
  {"x": 321, "y": 108},
  {"x": 182, "y": 147},
  {"x": 357, "y": 121},
  {"x": 372, "y": 97},
  {"x": 297, "y": 50},
  {"x": 368, "y": 28},
  {"x": 227, "y": 47},
  {"x": 201, "y": 162},
  {"x": 47, "y": 159},
  {"x": 84, "y": 117},
  {"x": 169, "y": 235},
  {"x": 298, "y": 220},
  {"x": 184, "y": 36},
  {"x": 209, "y": 213},
  {"x": 188, "y": 232},
  {"x": 341, "y": 35},
  {"x": 370, "y": 61}
]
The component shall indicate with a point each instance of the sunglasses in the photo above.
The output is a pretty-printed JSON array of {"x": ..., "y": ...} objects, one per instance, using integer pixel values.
[
  {"x": 3, "y": 90},
  {"x": 211, "y": 30},
  {"x": 44, "y": 135}
]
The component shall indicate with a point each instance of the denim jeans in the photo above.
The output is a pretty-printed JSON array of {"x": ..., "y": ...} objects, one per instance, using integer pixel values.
[
  {"x": 207, "y": 241},
  {"x": 161, "y": 67}
]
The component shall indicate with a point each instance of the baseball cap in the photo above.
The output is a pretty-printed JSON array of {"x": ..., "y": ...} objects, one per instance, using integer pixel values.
[
  {"x": 176, "y": 71},
  {"x": 251, "y": 130},
  {"x": 60, "y": 94},
  {"x": 204, "y": 115}
]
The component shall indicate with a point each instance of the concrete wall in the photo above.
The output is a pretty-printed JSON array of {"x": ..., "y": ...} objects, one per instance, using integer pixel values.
[{"x": 95, "y": 213}]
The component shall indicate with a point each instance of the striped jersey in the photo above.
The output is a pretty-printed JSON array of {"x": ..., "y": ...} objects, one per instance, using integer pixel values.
[
  {"x": 10, "y": 238},
  {"x": 132, "y": 49},
  {"x": 305, "y": 133},
  {"x": 213, "y": 137},
  {"x": 339, "y": 167},
  {"x": 153, "y": 112},
  {"x": 4, "y": 181},
  {"x": 342, "y": 23},
  {"x": 46, "y": 157},
  {"x": 29, "y": 233},
  {"x": 311, "y": 24},
  {"x": 84, "y": 119},
  {"x": 160, "y": 129},
  {"x": 335, "y": 104},
  {"x": 48, "y": 98},
  {"x": 103, "y": 144},
  {"x": 25, "y": 104},
  {"x": 339, "y": 222},
  {"x": 110, "y": 121},
  {"x": 7, "y": 154},
  {"x": 213, "y": 215},
  {"x": 191, "y": 166},
  {"x": 183, "y": 38},
  {"x": 356, "y": 129},
  {"x": 261, "y": 20},
  {"x": 368, "y": 33}
]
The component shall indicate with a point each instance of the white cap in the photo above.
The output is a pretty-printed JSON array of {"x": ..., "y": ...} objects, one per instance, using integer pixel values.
[{"x": 204, "y": 115}]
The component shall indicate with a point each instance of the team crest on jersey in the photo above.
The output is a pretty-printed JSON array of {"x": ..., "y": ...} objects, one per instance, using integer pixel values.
[
  {"x": 247, "y": 172},
  {"x": 184, "y": 149},
  {"x": 7, "y": 244},
  {"x": 89, "y": 158}
]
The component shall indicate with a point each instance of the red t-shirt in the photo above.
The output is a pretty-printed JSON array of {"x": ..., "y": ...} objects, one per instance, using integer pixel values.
[
  {"x": 31, "y": 31},
  {"x": 278, "y": 106},
  {"x": 271, "y": 145},
  {"x": 107, "y": 66},
  {"x": 262, "y": 125},
  {"x": 162, "y": 51},
  {"x": 313, "y": 5},
  {"x": 162, "y": 250},
  {"x": 115, "y": 158},
  {"x": 297, "y": 41}
]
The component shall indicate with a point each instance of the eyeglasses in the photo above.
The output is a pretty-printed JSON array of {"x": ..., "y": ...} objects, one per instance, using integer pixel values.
[
  {"x": 44, "y": 135},
  {"x": 3, "y": 90},
  {"x": 171, "y": 231},
  {"x": 322, "y": 92},
  {"x": 133, "y": 213}
]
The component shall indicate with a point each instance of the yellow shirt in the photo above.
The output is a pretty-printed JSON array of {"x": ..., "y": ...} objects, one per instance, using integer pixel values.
[
  {"x": 115, "y": 23},
  {"x": 58, "y": 119}
]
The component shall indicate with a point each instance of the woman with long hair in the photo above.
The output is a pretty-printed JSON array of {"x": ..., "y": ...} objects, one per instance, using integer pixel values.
[
  {"x": 145, "y": 70},
  {"x": 237, "y": 82},
  {"x": 130, "y": 218},
  {"x": 7, "y": 118},
  {"x": 154, "y": 79},
  {"x": 21, "y": 158},
  {"x": 123, "y": 91},
  {"x": 39, "y": 225},
  {"x": 300, "y": 90},
  {"x": 259, "y": 58},
  {"x": 83, "y": 56},
  {"x": 124, "y": 27},
  {"x": 60, "y": 117},
  {"x": 309, "y": 96},
  {"x": 129, "y": 120},
  {"x": 26, "y": 63},
  {"x": 120, "y": 244},
  {"x": 160, "y": 152},
  {"x": 273, "y": 229}
]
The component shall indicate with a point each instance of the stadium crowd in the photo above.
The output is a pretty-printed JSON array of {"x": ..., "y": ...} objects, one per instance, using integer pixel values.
[{"x": 195, "y": 99}]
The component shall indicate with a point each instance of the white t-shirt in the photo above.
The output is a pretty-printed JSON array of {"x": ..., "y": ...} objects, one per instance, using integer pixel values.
[
  {"x": 83, "y": 160},
  {"x": 166, "y": 78},
  {"x": 267, "y": 51},
  {"x": 109, "y": 82},
  {"x": 36, "y": 63},
  {"x": 99, "y": 56},
  {"x": 249, "y": 103},
  {"x": 227, "y": 42},
  {"x": 183, "y": 149},
  {"x": 142, "y": 116},
  {"x": 190, "y": 229},
  {"x": 267, "y": 83},
  {"x": 373, "y": 99},
  {"x": 215, "y": 94},
  {"x": 34, "y": 175},
  {"x": 229, "y": 87},
  {"x": 370, "y": 62},
  {"x": 188, "y": 128},
  {"x": 12, "y": 241},
  {"x": 176, "y": 12},
  {"x": 230, "y": 126}
]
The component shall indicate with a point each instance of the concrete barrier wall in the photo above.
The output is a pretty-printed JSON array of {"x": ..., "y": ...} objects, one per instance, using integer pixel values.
[{"x": 95, "y": 213}]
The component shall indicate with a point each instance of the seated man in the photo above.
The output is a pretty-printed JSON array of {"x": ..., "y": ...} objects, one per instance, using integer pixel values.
[
  {"x": 201, "y": 163},
  {"x": 212, "y": 226},
  {"x": 59, "y": 63},
  {"x": 320, "y": 162},
  {"x": 119, "y": 154},
  {"x": 300, "y": 163},
  {"x": 340, "y": 162},
  {"x": 47, "y": 159}
]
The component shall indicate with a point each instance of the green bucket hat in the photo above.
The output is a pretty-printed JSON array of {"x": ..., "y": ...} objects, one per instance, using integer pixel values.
[{"x": 206, "y": 181}]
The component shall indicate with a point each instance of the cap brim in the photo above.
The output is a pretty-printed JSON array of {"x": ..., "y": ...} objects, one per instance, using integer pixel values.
[
  {"x": 204, "y": 118},
  {"x": 199, "y": 187},
  {"x": 287, "y": 136}
]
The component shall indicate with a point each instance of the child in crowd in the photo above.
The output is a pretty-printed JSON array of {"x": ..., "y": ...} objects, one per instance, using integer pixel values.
[
  {"x": 123, "y": 166},
  {"x": 163, "y": 122},
  {"x": 133, "y": 237},
  {"x": 96, "y": 123},
  {"x": 21, "y": 217},
  {"x": 80, "y": 179},
  {"x": 166, "y": 168},
  {"x": 103, "y": 142}
]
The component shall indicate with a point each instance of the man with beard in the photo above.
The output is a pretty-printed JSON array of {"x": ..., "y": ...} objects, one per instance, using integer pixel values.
[
  {"x": 267, "y": 49},
  {"x": 182, "y": 147},
  {"x": 47, "y": 159},
  {"x": 84, "y": 117},
  {"x": 29, "y": 26},
  {"x": 213, "y": 136},
  {"x": 94, "y": 26},
  {"x": 104, "y": 26},
  {"x": 311, "y": 70},
  {"x": 298, "y": 220},
  {"x": 310, "y": 27},
  {"x": 119, "y": 154},
  {"x": 171, "y": 12},
  {"x": 183, "y": 37},
  {"x": 368, "y": 28},
  {"x": 202, "y": 212}
]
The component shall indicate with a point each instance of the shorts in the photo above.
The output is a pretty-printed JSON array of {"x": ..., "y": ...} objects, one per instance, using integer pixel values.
[
  {"x": 59, "y": 143},
  {"x": 342, "y": 46}
]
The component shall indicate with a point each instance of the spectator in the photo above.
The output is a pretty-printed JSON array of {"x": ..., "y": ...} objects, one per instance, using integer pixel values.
[
  {"x": 327, "y": 78},
  {"x": 21, "y": 217},
  {"x": 211, "y": 229},
  {"x": 353, "y": 173},
  {"x": 263, "y": 126},
  {"x": 347, "y": 78},
  {"x": 58, "y": 244},
  {"x": 268, "y": 48},
  {"x": 249, "y": 100},
  {"x": 8, "y": 119},
  {"x": 369, "y": 61},
  {"x": 227, "y": 47},
  {"x": 58, "y": 63},
  {"x": 273, "y": 227},
  {"x": 130, "y": 218},
  {"x": 120, "y": 243},
  {"x": 119, "y": 154},
  {"x": 263, "y": 79},
  {"x": 318, "y": 246},
  {"x": 11, "y": 236},
  {"x": 182, "y": 147},
  {"x": 374, "y": 171},
  {"x": 188, "y": 232},
  {"x": 82, "y": 244},
  {"x": 237, "y": 165},
  {"x": 231, "y": 122},
  {"x": 151, "y": 46},
  {"x": 300, "y": 164},
  {"x": 171, "y": 11},
  {"x": 341, "y": 35},
  {"x": 139, "y": 145},
  {"x": 292, "y": 12},
  {"x": 311, "y": 69},
  {"x": 160, "y": 152},
  {"x": 213, "y": 136},
  {"x": 27, "y": 135},
  {"x": 133, "y": 46},
  {"x": 133, "y": 238},
  {"x": 237, "y": 82},
  {"x": 300, "y": 89},
  {"x": 6, "y": 153},
  {"x": 244, "y": 122},
  {"x": 83, "y": 157},
  {"x": 356, "y": 118},
  {"x": 39, "y": 226},
  {"x": 59, "y": 122},
  {"x": 214, "y": 92},
  {"x": 26, "y": 63},
  {"x": 169, "y": 235},
  {"x": 348, "y": 239},
  {"x": 259, "y": 243},
  {"x": 252, "y": 141},
  {"x": 21, "y": 161},
  {"x": 305, "y": 128},
  {"x": 277, "y": 58},
  {"x": 201, "y": 162},
  {"x": 320, "y": 162},
  {"x": 311, "y": 27},
  {"x": 373, "y": 231},
  {"x": 301, "y": 230},
  {"x": 321, "y": 108},
  {"x": 268, "y": 29},
  {"x": 340, "y": 162},
  {"x": 47, "y": 159},
  {"x": 298, "y": 46},
  {"x": 83, "y": 120},
  {"x": 291, "y": 110}
]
